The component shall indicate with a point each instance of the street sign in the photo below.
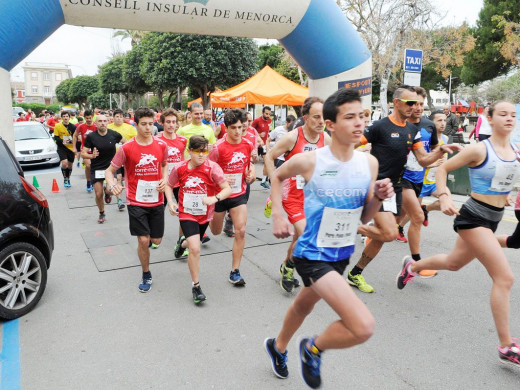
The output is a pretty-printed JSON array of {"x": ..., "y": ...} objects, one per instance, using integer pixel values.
[
  {"x": 413, "y": 60},
  {"x": 412, "y": 78}
]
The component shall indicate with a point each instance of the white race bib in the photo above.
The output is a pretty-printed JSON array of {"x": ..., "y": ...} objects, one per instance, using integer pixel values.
[
  {"x": 431, "y": 174},
  {"x": 338, "y": 227},
  {"x": 505, "y": 176},
  {"x": 300, "y": 182},
  {"x": 99, "y": 174},
  {"x": 412, "y": 164},
  {"x": 390, "y": 204},
  {"x": 67, "y": 139},
  {"x": 235, "y": 182},
  {"x": 146, "y": 191},
  {"x": 193, "y": 204}
]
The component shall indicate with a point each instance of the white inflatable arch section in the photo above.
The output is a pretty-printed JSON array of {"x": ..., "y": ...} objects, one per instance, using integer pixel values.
[{"x": 315, "y": 33}]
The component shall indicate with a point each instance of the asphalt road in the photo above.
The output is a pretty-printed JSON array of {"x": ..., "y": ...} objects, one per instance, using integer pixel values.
[{"x": 94, "y": 330}]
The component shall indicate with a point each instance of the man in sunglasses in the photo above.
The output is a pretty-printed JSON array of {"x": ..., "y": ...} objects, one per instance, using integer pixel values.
[{"x": 392, "y": 138}]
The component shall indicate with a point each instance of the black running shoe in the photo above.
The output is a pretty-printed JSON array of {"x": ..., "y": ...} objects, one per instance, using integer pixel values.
[
  {"x": 205, "y": 238},
  {"x": 287, "y": 281},
  {"x": 228, "y": 227},
  {"x": 178, "y": 248},
  {"x": 278, "y": 360},
  {"x": 309, "y": 365},
  {"x": 198, "y": 295},
  {"x": 425, "y": 222}
]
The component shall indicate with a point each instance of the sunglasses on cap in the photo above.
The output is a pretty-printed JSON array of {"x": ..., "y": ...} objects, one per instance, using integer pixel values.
[
  {"x": 408, "y": 102},
  {"x": 199, "y": 152}
]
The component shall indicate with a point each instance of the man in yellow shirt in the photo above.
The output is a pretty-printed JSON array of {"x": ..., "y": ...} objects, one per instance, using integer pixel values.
[
  {"x": 196, "y": 127},
  {"x": 63, "y": 132}
]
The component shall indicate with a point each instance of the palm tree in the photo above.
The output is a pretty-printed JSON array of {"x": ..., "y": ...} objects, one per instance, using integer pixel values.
[{"x": 134, "y": 35}]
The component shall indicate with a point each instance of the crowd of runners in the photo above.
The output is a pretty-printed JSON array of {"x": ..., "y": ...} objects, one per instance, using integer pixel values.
[{"x": 331, "y": 176}]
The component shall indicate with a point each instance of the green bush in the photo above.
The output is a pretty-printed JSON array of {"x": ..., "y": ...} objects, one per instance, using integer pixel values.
[{"x": 37, "y": 108}]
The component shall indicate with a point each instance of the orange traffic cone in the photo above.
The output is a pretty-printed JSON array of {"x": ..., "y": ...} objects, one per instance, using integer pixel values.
[{"x": 55, "y": 187}]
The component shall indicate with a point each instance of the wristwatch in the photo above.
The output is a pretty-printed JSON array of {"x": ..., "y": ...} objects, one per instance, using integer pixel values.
[{"x": 218, "y": 197}]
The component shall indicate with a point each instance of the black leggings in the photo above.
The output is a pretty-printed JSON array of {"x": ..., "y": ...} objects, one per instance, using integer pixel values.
[{"x": 513, "y": 241}]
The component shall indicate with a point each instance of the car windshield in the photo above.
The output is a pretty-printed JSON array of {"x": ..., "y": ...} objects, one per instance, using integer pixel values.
[{"x": 35, "y": 131}]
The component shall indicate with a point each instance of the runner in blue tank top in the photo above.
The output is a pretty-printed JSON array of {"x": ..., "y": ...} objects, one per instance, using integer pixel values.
[
  {"x": 340, "y": 192},
  {"x": 494, "y": 169}
]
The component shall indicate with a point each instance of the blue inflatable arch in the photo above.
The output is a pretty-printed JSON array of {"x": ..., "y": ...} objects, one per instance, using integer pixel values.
[{"x": 315, "y": 33}]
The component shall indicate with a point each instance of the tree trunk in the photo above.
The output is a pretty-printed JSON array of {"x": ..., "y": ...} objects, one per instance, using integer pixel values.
[
  {"x": 170, "y": 98},
  {"x": 160, "y": 96},
  {"x": 430, "y": 100},
  {"x": 205, "y": 97}
]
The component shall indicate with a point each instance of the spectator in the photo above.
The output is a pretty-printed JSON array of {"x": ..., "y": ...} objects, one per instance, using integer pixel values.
[{"x": 452, "y": 124}]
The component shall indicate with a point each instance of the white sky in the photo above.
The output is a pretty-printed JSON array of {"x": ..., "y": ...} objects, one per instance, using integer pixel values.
[{"x": 85, "y": 48}]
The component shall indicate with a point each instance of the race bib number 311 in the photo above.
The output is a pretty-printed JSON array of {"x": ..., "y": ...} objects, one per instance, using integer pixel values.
[{"x": 338, "y": 227}]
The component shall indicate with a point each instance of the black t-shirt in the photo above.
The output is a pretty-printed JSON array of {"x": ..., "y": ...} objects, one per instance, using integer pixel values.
[
  {"x": 391, "y": 144},
  {"x": 106, "y": 145}
]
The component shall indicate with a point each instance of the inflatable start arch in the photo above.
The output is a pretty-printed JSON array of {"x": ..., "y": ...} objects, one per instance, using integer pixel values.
[{"x": 314, "y": 32}]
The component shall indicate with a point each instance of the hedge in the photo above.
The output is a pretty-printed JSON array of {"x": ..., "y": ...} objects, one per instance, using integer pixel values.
[{"x": 37, "y": 108}]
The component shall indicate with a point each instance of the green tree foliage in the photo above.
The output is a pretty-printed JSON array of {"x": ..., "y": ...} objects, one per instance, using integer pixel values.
[
  {"x": 99, "y": 99},
  {"x": 132, "y": 78},
  {"x": 62, "y": 91},
  {"x": 81, "y": 87},
  {"x": 270, "y": 55},
  {"x": 485, "y": 61},
  {"x": 204, "y": 63},
  {"x": 111, "y": 76}
]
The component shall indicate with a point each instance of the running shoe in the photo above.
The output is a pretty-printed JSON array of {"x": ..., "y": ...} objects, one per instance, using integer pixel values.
[
  {"x": 101, "y": 218},
  {"x": 178, "y": 248},
  {"x": 120, "y": 204},
  {"x": 268, "y": 208},
  {"x": 205, "y": 238},
  {"x": 154, "y": 246},
  {"x": 427, "y": 273},
  {"x": 359, "y": 282},
  {"x": 66, "y": 183},
  {"x": 309, "y": 364},
  {"x": 198, "y": 295},
  {"x": 235, "y": 278},
  {"x": 406, "y": 274},
  {"x": 83, "y": 165},
  {"x": 108, "y": 198},
  {"x": 90, "y": 188},
  {"x": 185, "y": 253},
  {"x": 278, "y": 360},
  {"x": 287, "y": 281},
  {"x": 365, "y": 240},
  {"x": 265, "y": 185},
  {"x": 146, "y": 283},
  {"x": 228, "y": 227},
  {"x": 400, "y": 235},
  {"x": 77, "y": 164},
  {"x": 510, "y": 355},
  {"x": 425, "y": 222}
]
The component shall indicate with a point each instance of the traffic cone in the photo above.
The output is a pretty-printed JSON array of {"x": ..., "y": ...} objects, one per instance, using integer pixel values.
[
  {"x": 35, "y": 182},
  {"x": 55, "y": 187}
]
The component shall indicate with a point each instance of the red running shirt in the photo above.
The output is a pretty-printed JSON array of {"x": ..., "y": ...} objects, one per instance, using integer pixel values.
[
  {"x": 294, "y": 185},
  {"x": 142, "y": 171},
  {"x": 262, "y": 126},
  {"x": 196, "y": 184},
  {"x": 234, "y": 159},
  {"x": 251, "y": 136},
  {"x": 85, "y": 130},
  {"x": 176, "y": 149}
]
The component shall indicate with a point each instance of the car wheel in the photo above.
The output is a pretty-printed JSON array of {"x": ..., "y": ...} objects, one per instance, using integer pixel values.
[{"x": 23, "y": 277}]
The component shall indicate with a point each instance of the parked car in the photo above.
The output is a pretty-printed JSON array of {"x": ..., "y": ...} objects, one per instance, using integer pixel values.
[
  {"x": 16, "y": 111},
  {"x": 26, "y": 239},
  {"x": 34, "y": 145}
]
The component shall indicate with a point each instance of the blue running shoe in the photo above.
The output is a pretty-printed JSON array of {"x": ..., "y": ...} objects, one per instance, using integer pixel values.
[
  {"x": 235, "y": 278},
  {"x": 278, "y": 360},
  {"x": 309, "y": 364},
  {"x": 146, "y": 283}
]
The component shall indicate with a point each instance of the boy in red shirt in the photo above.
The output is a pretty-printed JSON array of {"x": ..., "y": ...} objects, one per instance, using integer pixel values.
[
  {"x": 233, "y": 154},
  {"x": 198, "y": 179},
  {"x": 82, "y": 130},
  {"x": 145, "y": 160}
]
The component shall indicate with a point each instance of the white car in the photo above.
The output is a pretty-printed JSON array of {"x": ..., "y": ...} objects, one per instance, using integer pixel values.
[{"x": 34, "y": 145}]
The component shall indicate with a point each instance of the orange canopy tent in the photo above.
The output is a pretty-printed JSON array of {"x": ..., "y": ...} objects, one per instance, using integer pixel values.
[{"x": 265, "y": 87}]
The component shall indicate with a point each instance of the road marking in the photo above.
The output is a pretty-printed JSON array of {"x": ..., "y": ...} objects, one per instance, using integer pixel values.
[{"x": 10, "y": 356}]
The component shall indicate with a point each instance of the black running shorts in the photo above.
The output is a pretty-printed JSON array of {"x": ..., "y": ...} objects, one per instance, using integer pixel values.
[
  {"x": 146, "y": 221},
  {"x": 229, "y": 203},
  {"x": 192, "y": 228},
  {"x": 312, "y": 270}
]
